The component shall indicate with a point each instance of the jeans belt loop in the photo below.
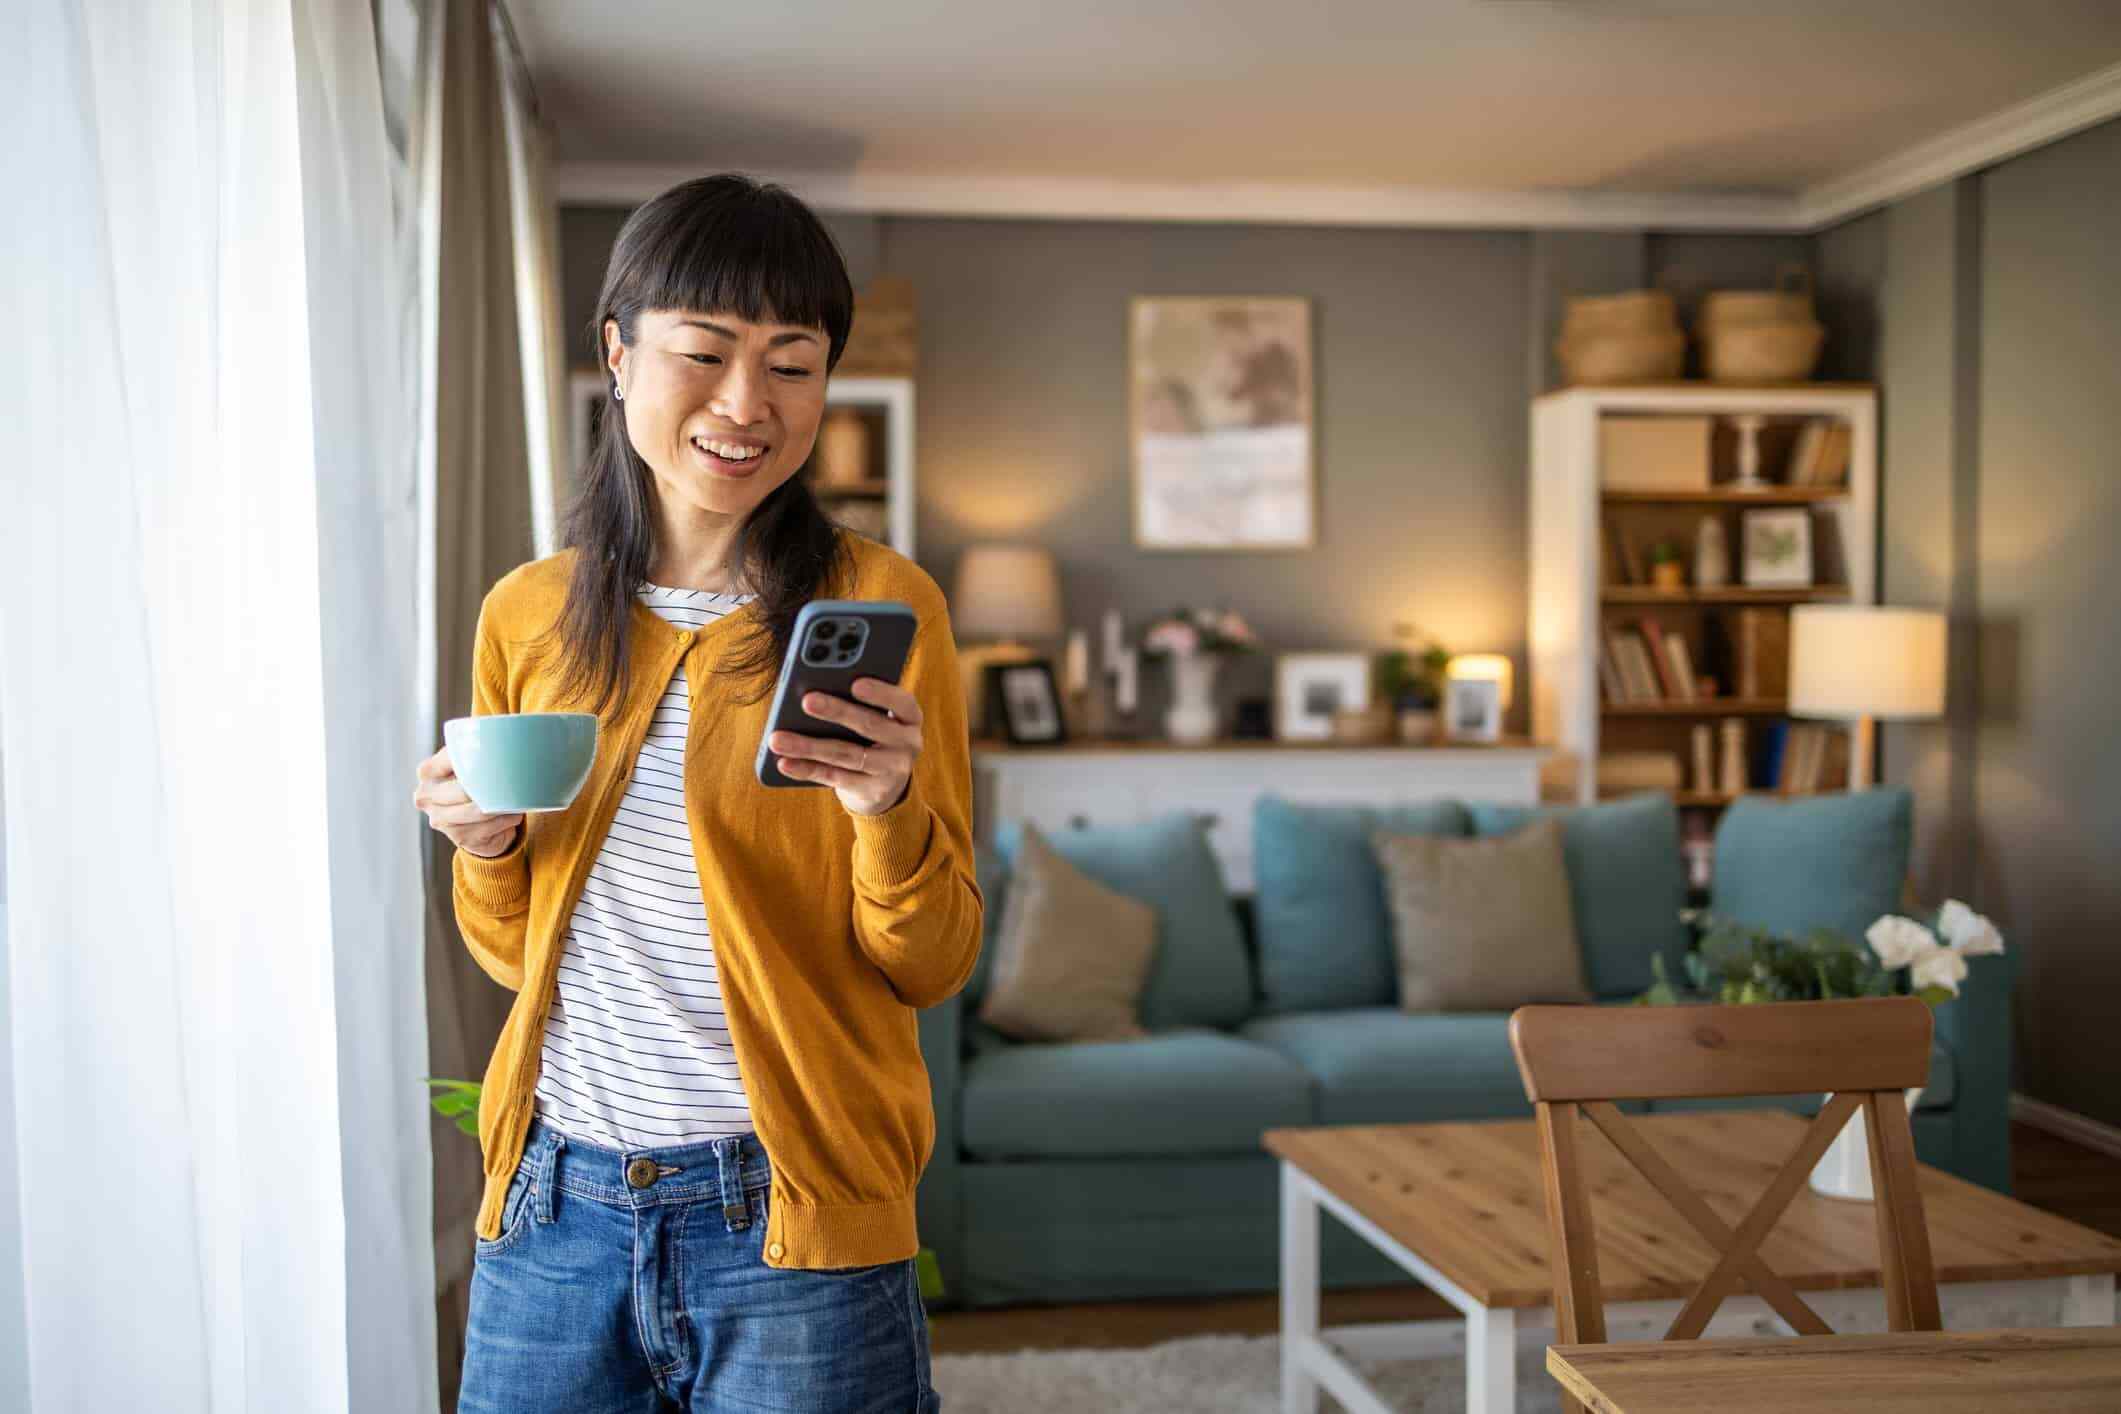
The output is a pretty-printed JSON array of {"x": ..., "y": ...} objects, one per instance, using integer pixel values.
[
  {"x": 729, "y": 1165},
  {"x": 548, "y": 1174}
]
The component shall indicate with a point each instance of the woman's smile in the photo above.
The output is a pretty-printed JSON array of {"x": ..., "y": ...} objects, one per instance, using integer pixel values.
[{"x": 729, "y": 455}]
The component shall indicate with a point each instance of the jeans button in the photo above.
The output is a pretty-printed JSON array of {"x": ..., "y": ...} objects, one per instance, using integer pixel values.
[{"x": 641, "y": 1172}]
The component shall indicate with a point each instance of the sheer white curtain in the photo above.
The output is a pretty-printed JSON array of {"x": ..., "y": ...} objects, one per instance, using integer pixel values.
[{"x": 207, "y": 568}]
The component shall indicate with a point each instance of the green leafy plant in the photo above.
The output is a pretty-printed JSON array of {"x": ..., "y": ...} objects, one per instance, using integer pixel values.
[
  {"x": 1412, "y": 678},
  {"x": 459, "y": 1100},
  {"x": 1737, "y": 964},
  {"x": 1664, "y": 552}
]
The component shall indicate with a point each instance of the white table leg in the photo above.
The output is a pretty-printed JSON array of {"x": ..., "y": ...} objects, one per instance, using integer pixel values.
[
  {"x": 2088, "y": 1301},
  {"x": 1299, "y": 1290},
  {"x": 1491, "y": 1362}
]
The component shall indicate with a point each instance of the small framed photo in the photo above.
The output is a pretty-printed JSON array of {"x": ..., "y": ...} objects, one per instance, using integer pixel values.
[
  {"x": 1310, "y": 687},
  {"x": 1472, "y": 709},
  {"x": 1025, "y": 699},
  {"x": 1778, "y": 548}
]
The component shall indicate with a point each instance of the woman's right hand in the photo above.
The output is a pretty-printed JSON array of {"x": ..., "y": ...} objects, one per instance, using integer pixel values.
[{"x": 450, "y": 810}]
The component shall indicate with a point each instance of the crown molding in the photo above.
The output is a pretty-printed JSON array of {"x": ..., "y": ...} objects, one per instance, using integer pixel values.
[
  {"x": 2073, "y": 107},
  {"x": 1089, "y": 199}
]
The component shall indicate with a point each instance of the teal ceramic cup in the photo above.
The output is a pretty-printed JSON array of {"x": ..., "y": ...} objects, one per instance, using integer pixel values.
[{"x": 522, "y": 762}]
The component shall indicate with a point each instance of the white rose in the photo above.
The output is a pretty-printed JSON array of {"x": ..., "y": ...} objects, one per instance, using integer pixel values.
[
  {"x": 1899, "y": 941},
  {"x": 1967, "y": 931},
  {"x": 1939, "y": 967}
]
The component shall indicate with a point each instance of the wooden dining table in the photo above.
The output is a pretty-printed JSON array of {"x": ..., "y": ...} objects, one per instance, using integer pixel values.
[{"x": 1920, "y": 1372}]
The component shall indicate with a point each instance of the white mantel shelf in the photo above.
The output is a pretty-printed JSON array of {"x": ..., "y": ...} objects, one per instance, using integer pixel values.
[{"x": 1078, "y": 784}]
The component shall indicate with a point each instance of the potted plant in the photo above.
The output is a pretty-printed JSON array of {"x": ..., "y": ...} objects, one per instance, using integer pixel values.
[
  {"x": 1194, "y": 640},
  {"x": 1667, "y": 566},
  {"x": 459, "y": 1100},
  {"x": 1411, "y": 681},
  {"x": 1737, "y": 965}
]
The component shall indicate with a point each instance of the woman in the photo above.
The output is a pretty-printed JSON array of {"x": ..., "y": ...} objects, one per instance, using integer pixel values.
[{"x": 706, "y": 1115}]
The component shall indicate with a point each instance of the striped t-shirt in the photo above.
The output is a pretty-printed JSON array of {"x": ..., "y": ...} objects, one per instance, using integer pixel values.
[{"x": 636, "y": 1048}]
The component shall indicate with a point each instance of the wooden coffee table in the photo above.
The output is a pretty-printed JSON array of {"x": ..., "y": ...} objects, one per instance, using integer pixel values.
[{"x": 1461, "y": 1207}]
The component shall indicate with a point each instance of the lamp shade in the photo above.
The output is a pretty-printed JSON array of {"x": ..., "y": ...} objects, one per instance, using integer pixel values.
[
  {"x": 1492, "y": 667},
  {"x": 1006, "y": 591},
  {"x": 1863, "y": 661}
]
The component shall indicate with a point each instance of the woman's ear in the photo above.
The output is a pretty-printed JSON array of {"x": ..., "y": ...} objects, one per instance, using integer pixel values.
[{"x": 614, "y": 351}]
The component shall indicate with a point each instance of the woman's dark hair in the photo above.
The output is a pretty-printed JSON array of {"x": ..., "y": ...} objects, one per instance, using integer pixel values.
[{"x": 723, "y": 244}]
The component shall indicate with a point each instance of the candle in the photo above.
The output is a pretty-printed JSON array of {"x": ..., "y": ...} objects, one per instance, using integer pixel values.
[
  {"x": 1114, "y": 644},
  {"x": 1076, "y": 674},
  {"x": 1126, "y": 667}
]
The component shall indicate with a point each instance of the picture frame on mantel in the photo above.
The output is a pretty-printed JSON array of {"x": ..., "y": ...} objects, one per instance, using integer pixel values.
[
  {"x": 1220, "y": 411},
  {"x": 1024, "y": 699},
  {"x": 1310, "y": 687}
]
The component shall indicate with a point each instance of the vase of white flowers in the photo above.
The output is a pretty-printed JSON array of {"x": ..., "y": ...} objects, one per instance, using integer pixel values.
[
  {"x": 1934, "y": 955},
  {"x": 1194, "y": 640}
]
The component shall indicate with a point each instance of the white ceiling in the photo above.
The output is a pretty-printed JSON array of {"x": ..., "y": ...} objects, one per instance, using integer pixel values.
[{"x": 1684, "y": 102}]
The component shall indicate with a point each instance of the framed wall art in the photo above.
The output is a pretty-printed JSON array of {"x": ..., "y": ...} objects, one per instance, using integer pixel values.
[{"x": 1220, "y": 396}]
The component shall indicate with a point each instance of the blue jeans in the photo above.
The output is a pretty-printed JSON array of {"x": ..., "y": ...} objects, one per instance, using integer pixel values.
[{"x": 602, "y": 1298}]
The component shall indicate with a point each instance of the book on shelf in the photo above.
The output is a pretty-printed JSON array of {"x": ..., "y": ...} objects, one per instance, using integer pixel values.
[
  {"x": 1615, "y": 568},
  {"x": 1635, "y": 664},
  {"x": 1774, "y": 746},
  {"x": 1703, "y": 742},
  {"x": 1609, "y": 679},
  {"x": 1761, "y": 645},
  {"x": 1820, "y": 455},
  {"x": 1638, "y": 770},
  {"x": 1805, "y": 451},
  {"x": 1653, "y": 640},
  {"x": 1681, "y": 659},
  {"x": 1631, "y": 565}
]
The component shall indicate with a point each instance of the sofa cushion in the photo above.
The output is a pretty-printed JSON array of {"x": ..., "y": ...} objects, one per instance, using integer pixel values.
[
  {"x": 1837, "y": 861},
  {"x": 1379, "y": 1065},
  {"x": 1482, "y": 925},
  {"x": 1627, "y": 881},
  {"x": 1072, "y": 955},
  {"x": 1182, "y": 1092},
  {"x": 1318, "y": 900},
  {"x": 1199, "y": 976}
]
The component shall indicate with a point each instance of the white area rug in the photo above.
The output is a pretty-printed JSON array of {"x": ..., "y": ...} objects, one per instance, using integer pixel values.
[
  {"x": 1231, "y": 1374},
  {"x": 1208, "y": 1374}
]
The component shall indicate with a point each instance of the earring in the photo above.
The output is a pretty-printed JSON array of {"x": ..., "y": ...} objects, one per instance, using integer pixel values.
[{"x": 618, "y": 394}]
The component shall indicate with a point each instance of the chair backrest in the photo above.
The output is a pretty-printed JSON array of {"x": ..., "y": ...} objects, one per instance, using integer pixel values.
[{"x": 1866, "y": 1053}]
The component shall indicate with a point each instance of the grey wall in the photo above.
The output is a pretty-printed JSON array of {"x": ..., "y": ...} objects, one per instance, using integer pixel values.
[{"x": 1994, "y": 305}]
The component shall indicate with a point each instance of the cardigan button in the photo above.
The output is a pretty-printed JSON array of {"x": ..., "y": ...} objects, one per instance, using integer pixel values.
[{"x": 776, "y": 1251}]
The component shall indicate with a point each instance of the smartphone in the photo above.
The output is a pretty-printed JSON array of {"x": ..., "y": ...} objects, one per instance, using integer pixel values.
[{"x": 835, "y": 642}]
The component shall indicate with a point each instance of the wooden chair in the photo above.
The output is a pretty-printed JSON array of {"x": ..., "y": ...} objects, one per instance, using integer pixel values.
[{"x": 1866, "y": 1053}]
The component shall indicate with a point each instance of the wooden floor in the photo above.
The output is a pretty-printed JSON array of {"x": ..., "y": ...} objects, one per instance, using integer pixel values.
[{"x": 2048, "y": 1172}]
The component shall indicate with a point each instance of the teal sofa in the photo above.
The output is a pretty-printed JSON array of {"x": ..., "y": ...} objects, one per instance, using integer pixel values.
[{"x": 1127, "y": 1169}]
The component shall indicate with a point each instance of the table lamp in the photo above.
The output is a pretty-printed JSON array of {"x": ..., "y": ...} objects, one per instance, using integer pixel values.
[
  {"x": 1858, "y": 663},
  {"x": 1003, "y": 595}
]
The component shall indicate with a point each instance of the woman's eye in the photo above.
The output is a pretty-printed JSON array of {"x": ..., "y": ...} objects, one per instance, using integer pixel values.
[
  {"x": 794, "y": 372},
  {"x": 703, "y": 358}
]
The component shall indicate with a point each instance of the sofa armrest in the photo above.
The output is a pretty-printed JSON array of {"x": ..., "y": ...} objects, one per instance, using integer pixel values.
[
  {"x": 940, "y": 1202},
  {"x": 1976, "y": 1025}
]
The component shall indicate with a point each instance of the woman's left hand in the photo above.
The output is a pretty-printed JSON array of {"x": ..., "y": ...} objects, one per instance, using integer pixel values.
[{"x": 868, "y": 779}]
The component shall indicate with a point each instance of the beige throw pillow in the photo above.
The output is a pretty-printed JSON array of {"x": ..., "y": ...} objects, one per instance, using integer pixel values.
[
  {"x": 1071, "y": 956},
  {"x": 1481, "y": 924}
]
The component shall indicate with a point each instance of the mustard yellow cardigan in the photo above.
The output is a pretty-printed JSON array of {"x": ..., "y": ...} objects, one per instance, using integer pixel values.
[{"x": 829, "y": 928}]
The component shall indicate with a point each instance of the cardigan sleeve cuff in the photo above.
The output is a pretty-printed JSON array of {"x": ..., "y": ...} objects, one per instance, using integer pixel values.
[
  {"x": 894, "y": 842},
  {"x": 498, "y": 883}
]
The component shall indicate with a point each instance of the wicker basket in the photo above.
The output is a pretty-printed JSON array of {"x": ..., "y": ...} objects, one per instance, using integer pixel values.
[
  {"x": 1790, "y": 302},
  {"x": 1633, "y": 312},
  {"x": 1761, "y": 353},
  {"x": 1606, "y": 359}
]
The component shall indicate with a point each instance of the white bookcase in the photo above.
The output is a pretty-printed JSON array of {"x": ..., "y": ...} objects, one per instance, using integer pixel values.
[
  {"x": 1571, "y": 601},
  {"x": 890, "y": 403}
]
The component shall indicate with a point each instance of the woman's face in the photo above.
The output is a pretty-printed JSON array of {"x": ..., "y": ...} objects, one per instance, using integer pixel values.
[{"x": 721, "y": 409}]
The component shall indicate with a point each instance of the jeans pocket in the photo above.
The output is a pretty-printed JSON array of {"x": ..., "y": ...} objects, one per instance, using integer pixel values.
[{"x": 515, "y": 1211}]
